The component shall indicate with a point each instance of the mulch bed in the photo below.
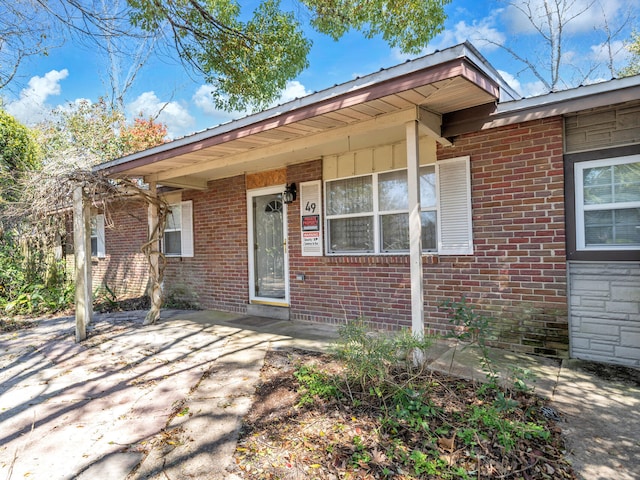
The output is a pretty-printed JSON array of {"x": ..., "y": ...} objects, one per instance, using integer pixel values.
[{"x": 339, "y": 438}]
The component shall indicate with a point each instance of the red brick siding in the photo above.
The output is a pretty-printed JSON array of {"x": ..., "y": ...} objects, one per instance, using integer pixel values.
[
  {"x": 217, "y": 275},
  {"x": 124, "y": 269},
  {"x": 517, "y": 274}
]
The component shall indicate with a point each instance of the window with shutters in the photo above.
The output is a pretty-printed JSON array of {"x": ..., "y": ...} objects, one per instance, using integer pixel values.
[
  {"x": 369, "y": 214},
  {"x": 178, "y": 231}
]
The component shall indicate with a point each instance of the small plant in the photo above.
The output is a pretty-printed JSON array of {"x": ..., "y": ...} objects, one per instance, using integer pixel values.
[
  {"x": 473, "y": 328},
  {"x": 360, "y": 456},
  {"x": 370, "y": 356},
  {"x": 412, "y": 410},
  {"x": 314, "y": 383}
]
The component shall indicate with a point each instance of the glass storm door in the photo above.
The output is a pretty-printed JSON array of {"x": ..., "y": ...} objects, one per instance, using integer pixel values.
[{"x": 268, "y": 270}]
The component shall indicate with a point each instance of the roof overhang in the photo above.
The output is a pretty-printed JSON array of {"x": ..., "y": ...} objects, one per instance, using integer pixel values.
[
  {"x": 367, "y": 111},
  {"x": 554, "y": 104}
]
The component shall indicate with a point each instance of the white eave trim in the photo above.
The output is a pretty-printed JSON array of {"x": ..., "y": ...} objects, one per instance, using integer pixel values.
[
  {"x": 463, "y": 50},
  {"x": 568, "y": 101}
]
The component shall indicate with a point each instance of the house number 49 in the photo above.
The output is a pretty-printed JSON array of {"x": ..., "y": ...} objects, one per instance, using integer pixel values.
[{"x": 310, "y": 207}]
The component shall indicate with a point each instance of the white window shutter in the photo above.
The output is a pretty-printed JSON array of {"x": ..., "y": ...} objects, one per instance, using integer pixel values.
[
  {"x": 186, "y": 231},
  {"x": 101, "y": 251},
  {"x": 455, "y": 232}
]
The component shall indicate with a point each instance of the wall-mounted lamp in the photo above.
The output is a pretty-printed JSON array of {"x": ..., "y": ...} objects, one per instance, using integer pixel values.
[{"x": 290, "y": 192}]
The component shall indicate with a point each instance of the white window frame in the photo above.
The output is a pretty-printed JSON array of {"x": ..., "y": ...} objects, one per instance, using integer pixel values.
[
  {"x": 97, "y": 222},
  {"x": 443, "y": 245},
  {"x": 581, "y": 208},
  {"x": 186, "y": 230}
]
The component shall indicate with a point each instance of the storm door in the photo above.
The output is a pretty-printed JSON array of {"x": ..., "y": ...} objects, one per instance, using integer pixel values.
[{"x": 268, "y": 266}]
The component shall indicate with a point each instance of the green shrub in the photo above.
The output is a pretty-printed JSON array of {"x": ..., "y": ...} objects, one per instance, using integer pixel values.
[{"x": 31, "y": 284}]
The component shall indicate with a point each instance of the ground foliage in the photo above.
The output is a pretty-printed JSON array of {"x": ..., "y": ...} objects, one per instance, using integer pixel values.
[{"x": 310, "y": 420}]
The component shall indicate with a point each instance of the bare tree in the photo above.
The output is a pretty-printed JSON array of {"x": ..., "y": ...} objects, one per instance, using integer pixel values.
[
  {"x": 549, "y": 56},
  {"x": 46, "y": 199},
  {"x": 23, "y": 33}
]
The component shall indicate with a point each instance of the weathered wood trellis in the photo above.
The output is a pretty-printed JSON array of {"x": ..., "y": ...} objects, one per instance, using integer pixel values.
[{"x": 90, "y": 190}]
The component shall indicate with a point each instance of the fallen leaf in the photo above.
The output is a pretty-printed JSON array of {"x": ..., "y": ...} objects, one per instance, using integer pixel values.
[{"x": 447, "y": 443}]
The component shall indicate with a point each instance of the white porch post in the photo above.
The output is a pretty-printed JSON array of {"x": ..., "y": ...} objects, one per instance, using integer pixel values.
[
  {"x": 415, "y": 230},
  {"x": 82, "y": 257},
  {"x": 155, "y": 288}
]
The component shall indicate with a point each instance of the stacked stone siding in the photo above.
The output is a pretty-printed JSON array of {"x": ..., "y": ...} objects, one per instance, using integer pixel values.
[{"x": 605, "y": 311}]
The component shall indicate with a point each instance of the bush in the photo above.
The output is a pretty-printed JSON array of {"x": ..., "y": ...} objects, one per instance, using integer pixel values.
[{"x": 31, "y": 284}]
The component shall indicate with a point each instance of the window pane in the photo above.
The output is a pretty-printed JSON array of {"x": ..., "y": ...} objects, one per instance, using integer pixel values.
[
  {"x": 627, "y": 226},
  {"x": 612, "y": 227},
  {"x": 429, "y": 231},
  {"x": 597, "y": 185},
  {"x": 351, "y": 195},
  {"x": 392, "y": 191},
  {"x": 172, "y": 243},
  {"x": 351, "y": 234},
  {"x": 174, "y": 218},
  {"x": 94, "y": 246},
  {"x": 627, "y": 182},
  {"x": 395, "y": 232},
  {"x": 428, "y": 186}
]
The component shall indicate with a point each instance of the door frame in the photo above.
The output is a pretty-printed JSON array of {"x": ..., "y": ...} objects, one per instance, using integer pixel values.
[{"x": 253, "y": 298}]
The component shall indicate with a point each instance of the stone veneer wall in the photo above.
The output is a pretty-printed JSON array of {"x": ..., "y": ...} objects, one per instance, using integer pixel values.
[{"x": 605, "y": 312}]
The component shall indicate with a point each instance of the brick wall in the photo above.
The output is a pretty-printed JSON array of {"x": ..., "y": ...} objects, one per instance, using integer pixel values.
[
  {"x": 518, "y": 272},
  {"x": 517, "y": 275},
  {"x": 124, "y": 269},
  {"x": 217, "y": 275}
]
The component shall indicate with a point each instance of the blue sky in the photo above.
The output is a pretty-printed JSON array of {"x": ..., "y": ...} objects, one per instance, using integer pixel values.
[{"x": 73, "y": 72}]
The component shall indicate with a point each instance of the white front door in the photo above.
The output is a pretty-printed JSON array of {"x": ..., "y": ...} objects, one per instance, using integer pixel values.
[{"x": 268, "y": 262}]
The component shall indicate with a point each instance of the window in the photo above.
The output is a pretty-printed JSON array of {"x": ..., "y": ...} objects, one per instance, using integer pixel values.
[
  {"x": 178, "y": 231},
  {"x": 608, "y": 204},
  {"x": 97, "y": 236},
  {"x": 370, "y": 213}
]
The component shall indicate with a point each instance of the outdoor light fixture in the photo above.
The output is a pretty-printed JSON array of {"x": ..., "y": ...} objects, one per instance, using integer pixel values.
[{"x": 290, "y": 191}]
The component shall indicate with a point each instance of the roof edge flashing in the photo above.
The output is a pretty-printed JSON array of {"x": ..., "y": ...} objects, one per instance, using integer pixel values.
[{"x": 457, "y": 52}]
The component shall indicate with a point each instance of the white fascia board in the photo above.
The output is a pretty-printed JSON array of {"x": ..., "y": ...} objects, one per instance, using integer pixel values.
[{"x": 463, "y": 50}]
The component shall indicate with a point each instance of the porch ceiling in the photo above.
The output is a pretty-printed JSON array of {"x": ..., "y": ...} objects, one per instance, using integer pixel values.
[{"x": 371, "y": 114}]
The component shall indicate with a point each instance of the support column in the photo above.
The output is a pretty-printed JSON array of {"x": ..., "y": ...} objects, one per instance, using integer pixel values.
[
  {"x": 155, "y": 286},
  {"x": 415, "y": 230},
  {"x": 82, "y": 257}
]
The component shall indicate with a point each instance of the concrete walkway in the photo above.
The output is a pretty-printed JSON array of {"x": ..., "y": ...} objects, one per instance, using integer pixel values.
[{"x": 166, "y": 401}]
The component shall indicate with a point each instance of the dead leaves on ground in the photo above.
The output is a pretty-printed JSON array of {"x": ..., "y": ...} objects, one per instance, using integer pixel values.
[{"x": 336, "y": 440}]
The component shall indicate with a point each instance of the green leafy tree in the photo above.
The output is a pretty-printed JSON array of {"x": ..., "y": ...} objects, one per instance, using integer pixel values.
[
  {"x": 634, "y": 63},
  {"x": 92, "y": 133},
  {"x": 248, "y": 55},
  {"x": 19, "y": 153}
]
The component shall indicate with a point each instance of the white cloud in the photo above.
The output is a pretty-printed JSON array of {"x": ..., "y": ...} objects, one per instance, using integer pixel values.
[
  {"x": 512, "y": 81},
  {"x": 293, "y": 90},
  {"x": 173, "y": 114},
  {"x": 579, "y": 16},
  {"x": 619, "y": 52},
  {"x": 533, "y": 89},
  {"x": 481, "y": 33},
  {"x": 203, "y": 100},
  {"x": 30, "y": 108}
]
